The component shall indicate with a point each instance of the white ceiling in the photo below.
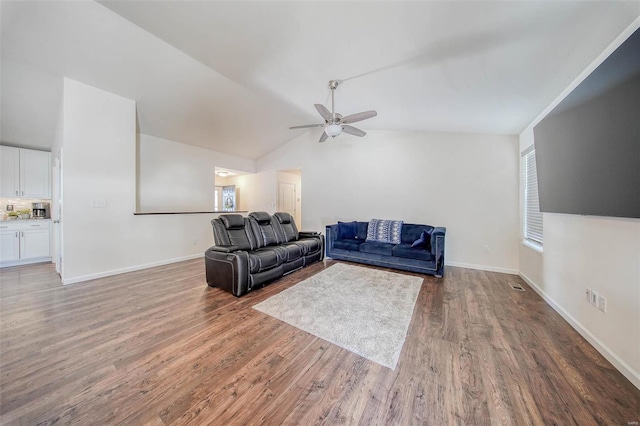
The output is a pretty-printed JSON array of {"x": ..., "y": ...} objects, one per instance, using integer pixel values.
[{"x": 233, "y": 76}]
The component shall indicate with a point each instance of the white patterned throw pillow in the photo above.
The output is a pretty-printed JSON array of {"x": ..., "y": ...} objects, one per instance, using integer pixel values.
[{"x": 384, "y": 231}]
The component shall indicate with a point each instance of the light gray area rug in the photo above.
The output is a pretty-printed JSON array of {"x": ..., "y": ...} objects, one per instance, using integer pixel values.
[{"x": 365, "y": 311}]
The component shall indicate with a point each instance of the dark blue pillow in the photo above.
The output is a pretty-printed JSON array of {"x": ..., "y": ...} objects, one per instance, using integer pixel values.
[
  {"x": 424, "y": 242},
  {"x": 347, "y": 230}
]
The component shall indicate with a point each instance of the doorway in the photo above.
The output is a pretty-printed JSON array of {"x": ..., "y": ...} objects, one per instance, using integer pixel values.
[{"x": 290, "y": 194}]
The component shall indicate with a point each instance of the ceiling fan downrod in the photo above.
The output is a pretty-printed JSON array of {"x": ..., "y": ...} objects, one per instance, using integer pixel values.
[{"x": 333, "y": 85}]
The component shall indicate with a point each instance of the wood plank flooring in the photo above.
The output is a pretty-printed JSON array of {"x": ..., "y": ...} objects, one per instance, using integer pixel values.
[{"x": 159, "y": 347}]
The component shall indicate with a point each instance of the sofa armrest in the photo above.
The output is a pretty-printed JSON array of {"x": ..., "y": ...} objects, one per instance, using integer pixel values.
[
  {"x": 227, "y": 271},
  {"x": 308, "y": 234},
  {"x": 331, "y": 236},
  {"x": 332, "y": 233},
  {"x": 224, "y": 249},
  {"x": 437, "y": 247}
]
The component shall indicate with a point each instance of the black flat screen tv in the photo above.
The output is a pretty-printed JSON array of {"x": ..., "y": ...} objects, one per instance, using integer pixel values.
[{"x": 588, "y": 146}]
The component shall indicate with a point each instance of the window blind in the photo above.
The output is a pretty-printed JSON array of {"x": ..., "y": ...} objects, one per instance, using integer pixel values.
[{"x": 532, "y": 215}]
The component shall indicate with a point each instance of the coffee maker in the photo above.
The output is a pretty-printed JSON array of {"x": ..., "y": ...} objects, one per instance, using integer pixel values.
[{"x": 40, "y": 210}]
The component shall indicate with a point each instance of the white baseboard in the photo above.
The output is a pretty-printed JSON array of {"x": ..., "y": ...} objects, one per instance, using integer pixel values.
[
  {"x": 25, "y": 262},
  {"x": 619, "y": 364},
  {"x": 129, "y": 269},
  {"x": 482, "y": 267}
]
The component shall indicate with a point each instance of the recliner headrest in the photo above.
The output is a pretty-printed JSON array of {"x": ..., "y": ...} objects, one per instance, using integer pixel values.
[
  {"x": 263, "y": 218},
  {"x": 283, "y": 217},
  {"x": 232, "y": 221}
]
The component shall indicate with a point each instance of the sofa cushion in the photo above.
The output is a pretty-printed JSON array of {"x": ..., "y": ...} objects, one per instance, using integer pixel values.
[
  {"x": 287, "y": 229},
  {"x": 412, "y": 231},
  {"x": 263, "y": 218},
  {"x": 346, "y": 230},
  {"x": 348, "y": 244},
  {"x": 264, "y": 231},
  {"x": 262, "y": 260},
  {"x": 376, "y": 247},
  {"x": 241, "y": 239},
  {"x": 423, "y": 242},
  {"x": 288, "y": 252},
  {"x": 309, "y": 245},
  {"x": 385, "y": 231},
  {"x": 232, "y": 221},
  {"x": 361, "y": 230},
  {"x": 405, "y": 250}
]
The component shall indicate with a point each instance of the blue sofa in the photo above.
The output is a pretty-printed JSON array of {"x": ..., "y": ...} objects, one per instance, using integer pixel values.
[{"x": 427, "y": 257}]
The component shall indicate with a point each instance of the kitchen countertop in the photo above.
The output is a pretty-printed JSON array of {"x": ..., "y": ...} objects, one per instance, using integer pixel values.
[{"x": 24, "y": 220}]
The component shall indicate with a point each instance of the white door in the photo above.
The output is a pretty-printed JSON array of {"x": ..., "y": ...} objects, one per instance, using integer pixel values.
[
  {"x": 35, "y": 174},
  {"x": 34, "y": 243},
  {"x": 9, "y": 171},
  {"x": 287, "y": 198},
  {"x": 9, "y": 246}
]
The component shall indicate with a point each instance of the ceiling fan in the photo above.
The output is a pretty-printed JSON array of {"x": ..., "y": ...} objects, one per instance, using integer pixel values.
[{"x": 334, "y": 123}]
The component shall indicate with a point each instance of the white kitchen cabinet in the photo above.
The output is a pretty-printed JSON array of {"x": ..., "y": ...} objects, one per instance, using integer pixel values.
[
  {"x": 9, "y": 171},
  {"x": 35, "y": 174},
  {"x": 26, "y": 241},
  {"x": 34, "y": 243},
  {"x": 9, "y": 246},
  {"x": 26, "y": 173}
]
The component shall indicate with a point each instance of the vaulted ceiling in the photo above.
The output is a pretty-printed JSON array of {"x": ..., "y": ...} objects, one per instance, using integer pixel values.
[{"x": 233, "y": 76}]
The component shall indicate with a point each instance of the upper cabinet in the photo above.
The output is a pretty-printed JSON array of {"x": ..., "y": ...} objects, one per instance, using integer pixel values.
[
  {"x": 9, "y": 171},
  {"x": 24, "y": 173},
  {"x": 35, "y": 174}
]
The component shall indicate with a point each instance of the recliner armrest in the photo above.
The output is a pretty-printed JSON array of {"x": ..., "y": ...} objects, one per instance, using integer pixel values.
[
  {"x": 224, "y": 249},
  {"x": 308, "y": 234},
  {"x": 228, "y": 271}
]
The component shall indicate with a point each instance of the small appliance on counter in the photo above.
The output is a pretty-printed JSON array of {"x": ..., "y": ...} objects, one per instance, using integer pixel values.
[{"x": 40, "y": 210}]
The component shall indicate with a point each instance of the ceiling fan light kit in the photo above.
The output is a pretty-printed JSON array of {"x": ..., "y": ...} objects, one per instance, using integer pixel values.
[
  {"x": 333, "y": 130},
  {"x": 334, "y": 123}
]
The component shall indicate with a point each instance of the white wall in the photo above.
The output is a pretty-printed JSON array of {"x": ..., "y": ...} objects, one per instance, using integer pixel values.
[
  {"x": 466, "y": 182},
  {"x": 100, "y": 164},
  {"x": 599, "y": 253},
  {"x": 255, "y": 192},
  {"x": 176, "y": 177}
]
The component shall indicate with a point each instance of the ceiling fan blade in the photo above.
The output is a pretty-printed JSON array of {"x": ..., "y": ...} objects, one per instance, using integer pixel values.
[
  {"x": 324, "y": 112},
  {"x": 353, "y": 131},
  {"x": 358, "y": 117},
  {"x": 323, "y": 137},
  {"x": 307, "y": 126}
]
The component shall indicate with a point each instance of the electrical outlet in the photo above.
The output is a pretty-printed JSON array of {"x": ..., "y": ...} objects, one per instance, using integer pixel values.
[
  {"x": 485, "y": 249},
  {"x": 195, "y": 241},
  {"x": 594, "y": 298},
  {"x": 602, "y": 303},
  {"x": 587, "y": 295}
]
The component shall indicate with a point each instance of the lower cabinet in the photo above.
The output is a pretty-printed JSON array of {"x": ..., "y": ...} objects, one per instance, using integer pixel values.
[
  {"x": 25, "y": 242},
  {"x": 9, "y": 246}
]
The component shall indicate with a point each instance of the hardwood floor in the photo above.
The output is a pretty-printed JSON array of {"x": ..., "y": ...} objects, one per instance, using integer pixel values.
[{"x": 159, "y": 347}]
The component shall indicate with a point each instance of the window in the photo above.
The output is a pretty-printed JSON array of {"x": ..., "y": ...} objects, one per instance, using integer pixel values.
[
  {"x": 217, "y": 198},
  {"x": 532, "y": 215}
]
